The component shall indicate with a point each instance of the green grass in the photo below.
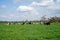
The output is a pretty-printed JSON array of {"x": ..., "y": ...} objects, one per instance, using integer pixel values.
[{"x": 29, "y": 32}]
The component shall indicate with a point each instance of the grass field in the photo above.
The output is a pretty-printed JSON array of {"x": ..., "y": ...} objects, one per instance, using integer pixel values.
[{"x": 29, "y": 32}]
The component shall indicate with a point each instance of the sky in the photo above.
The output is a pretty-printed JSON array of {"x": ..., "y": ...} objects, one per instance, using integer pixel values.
[{"x": 21, "y": 10}]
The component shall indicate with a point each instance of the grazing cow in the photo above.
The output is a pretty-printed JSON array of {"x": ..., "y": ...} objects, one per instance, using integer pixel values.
[
  {"x": 37, "y": 23},
  {"x": 47, "y": 23},
  {"x": 11, "y": 23},
  {"x": 19, "y": 23},
  {"x": 23, "y": 23},
  {"x": 8, "y": 23},
  {"x": 41, "y": 22},
  {"x": 33, "y": 23},
  {"x": 30, "y": 23}
]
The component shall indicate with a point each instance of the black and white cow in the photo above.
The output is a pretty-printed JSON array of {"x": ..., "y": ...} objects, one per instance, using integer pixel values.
[{"x": 47, "y": 23}]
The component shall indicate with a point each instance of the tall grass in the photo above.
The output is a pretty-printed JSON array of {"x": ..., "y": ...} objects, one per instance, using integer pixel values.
[{"x": 29, "y": 32}]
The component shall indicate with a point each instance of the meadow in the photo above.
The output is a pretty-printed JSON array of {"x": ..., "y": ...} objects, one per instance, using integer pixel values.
[{"x": 29, "y": 32}]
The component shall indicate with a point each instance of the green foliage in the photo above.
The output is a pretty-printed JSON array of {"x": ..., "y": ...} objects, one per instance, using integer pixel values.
[
  {"x": 29, "y": 32},
  {"x": 55, "y": 19}
]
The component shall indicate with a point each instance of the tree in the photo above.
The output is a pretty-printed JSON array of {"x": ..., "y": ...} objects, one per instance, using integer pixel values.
[
  {"x": 55, "y": 19},
  {"x": 43, "y": 18}
]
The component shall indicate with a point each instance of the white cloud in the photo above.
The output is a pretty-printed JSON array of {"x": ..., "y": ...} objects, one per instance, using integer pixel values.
[
  {"x": 36, "y": 9},
  {"x": 33, "y": 11},
  {"x": 16, "y": 1},
  {"x": 4, "y": 16},
  {"x": 28, "y": 9},
  {"x": 3, "y": 6},
  {"x": 58, "y": 1},
  {"x": 43, "y": 3},
  {"x": 29, "y": 12},
  {"x": 54, "y": 6},
  {"x": 9, "y": 16},
  {"x": 48, "y": 3},
  {"x": 25, "y": 8}
]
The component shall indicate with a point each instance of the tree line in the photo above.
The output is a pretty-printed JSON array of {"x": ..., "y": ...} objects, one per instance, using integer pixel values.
[{"x": 44, "y": 20}]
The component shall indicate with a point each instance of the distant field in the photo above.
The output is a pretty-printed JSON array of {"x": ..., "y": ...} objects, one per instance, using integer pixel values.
[{"x": 29, "y": 32}]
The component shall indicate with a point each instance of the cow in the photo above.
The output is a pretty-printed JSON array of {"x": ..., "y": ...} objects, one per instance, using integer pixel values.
[
  {"x": 23, "y": 23},
  {"x": 8, "y": 23},
  {"x": 30, "y": 22},
  {"x": 47, "y": 23}
]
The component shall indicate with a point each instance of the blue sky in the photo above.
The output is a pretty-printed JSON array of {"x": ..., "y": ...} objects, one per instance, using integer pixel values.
[{"x": 20, "y": 10}]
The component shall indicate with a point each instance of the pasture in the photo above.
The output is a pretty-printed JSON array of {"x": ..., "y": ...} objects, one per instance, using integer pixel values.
[{"x": 29, "y": 32}]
